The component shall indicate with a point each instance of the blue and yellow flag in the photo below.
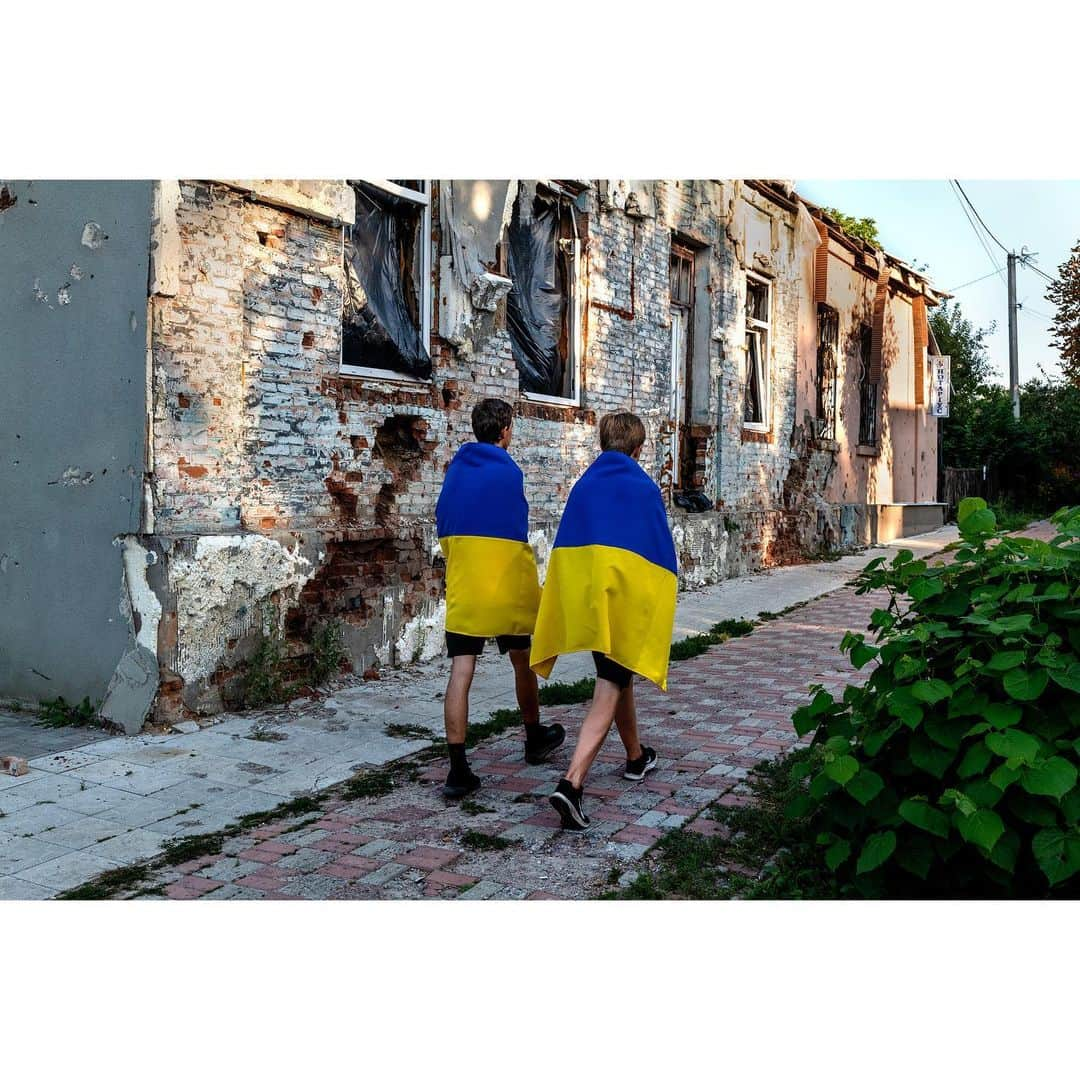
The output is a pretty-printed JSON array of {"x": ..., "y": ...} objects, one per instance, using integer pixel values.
[
  {"x": 612, "y": 579},
  {"x": 492, "y": 586}
]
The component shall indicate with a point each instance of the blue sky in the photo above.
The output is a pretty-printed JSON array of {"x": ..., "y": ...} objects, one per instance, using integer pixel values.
[{"x": 920, "y": 221}]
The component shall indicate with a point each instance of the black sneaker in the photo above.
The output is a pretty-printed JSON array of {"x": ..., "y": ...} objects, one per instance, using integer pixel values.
[
  {"x": 460, "y": 784},
  {"x": 636, "y": 770},
  {"x": 548, "y": 739},
  {"x": 567, "y": 800}
]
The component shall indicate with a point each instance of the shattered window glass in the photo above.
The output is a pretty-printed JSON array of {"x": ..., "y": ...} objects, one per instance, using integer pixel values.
[
  {"x": 385, "y": 268},
  {"x": 541, "y": 262},
  {"x": 828, "y": 340},
  {"x": 753, "y": 406},
  {"x": 755, "y": 400},
  {"x": 868, "y": 393}
]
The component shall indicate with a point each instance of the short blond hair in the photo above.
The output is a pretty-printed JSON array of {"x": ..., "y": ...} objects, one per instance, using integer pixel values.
[{"x": 622, "y": 431}]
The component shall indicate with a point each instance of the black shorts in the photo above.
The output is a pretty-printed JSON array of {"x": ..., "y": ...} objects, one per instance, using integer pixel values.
[
  {"x": 467, "y": 645},
  {"x": 606, "y": 668}
]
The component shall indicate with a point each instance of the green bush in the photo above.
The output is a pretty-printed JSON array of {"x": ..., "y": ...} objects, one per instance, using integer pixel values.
[{"x": 953, "y": 770}]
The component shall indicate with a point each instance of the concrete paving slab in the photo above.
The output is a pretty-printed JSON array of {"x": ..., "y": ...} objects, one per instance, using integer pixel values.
[
  {"x": 70, "y": 869},
  {"x": 13, "y": 888},
  {"x": 17, "y": 853}
]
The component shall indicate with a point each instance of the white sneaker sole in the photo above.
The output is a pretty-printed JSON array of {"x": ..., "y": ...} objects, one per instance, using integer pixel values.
[
  {"x": 567, "y": 811},
  {"x": 644, "y": 772}
]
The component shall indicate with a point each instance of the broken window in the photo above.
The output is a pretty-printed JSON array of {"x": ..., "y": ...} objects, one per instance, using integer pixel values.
[
  {"x": 868, "y": 392},
  {"x": 828, "y": 340},
  {"x": 681, "y": 284},
  {"x": 542, "y": 307},
  {"x": 386, "y": 316},
  {"x": 756, "y": 400}
]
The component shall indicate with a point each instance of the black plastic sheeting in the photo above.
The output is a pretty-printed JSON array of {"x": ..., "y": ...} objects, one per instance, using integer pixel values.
[
  {"x": 380, "y": 328},
  {"x": 536, "y": 305}
]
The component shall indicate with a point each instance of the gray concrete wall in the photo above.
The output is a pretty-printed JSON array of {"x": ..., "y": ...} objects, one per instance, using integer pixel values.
[{"x": 73, "y": 287}]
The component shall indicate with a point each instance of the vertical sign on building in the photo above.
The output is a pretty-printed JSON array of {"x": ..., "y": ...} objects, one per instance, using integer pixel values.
[{"x": 940, "y": 386}]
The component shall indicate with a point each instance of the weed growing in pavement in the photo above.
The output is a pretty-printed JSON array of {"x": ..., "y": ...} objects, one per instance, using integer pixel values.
[
  {"x": 759, "y": 854},
  {"x": 479, "y": 841},
  {"x": 769, "y": 616},
  {"x": 266, "y": 735},
  {"x": 473, "y": 808},
  {"x": 561, "y": 693},
  {"x": 105, "y": 886},
  {"x": 408, "y": 731},
  {"x": 696, "y": 644},
  {"x": 193, "y": 847},
  {"x": 500, "y": 720},
  {"x": 59, "y": 713}
]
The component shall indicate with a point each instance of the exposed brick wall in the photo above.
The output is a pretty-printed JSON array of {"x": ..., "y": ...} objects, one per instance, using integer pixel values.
[{"x": 255, "y": 430}]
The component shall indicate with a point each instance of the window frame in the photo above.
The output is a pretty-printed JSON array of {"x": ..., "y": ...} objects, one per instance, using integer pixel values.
[
  {"x": 764, "y": 356},
  {"x": 574, "y": 360},
  {"x": 827, "y": 313},
  {"x": 869, "y": 393},
  {"x": 421, "y": 198}
]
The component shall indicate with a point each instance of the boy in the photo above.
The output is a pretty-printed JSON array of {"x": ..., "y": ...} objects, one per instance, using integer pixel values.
[
  {"x": 492, "y": 587},
  {"x": 610, "y": 589}
]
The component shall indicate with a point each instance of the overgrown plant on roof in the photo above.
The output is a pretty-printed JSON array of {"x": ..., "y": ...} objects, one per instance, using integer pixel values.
[{"x": 953, "y": 771}]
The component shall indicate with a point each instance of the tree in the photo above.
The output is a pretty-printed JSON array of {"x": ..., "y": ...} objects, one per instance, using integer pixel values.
[
  {"x": 1065, "y": 295},
  {"x": 972, "y": 433},
  {"x": 861, "y": 228}
]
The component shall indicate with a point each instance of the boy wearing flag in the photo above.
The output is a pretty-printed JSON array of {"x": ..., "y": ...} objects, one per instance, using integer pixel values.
[
  {"x": 610, "y": 590},
  {"x": 492, "y": 587}
]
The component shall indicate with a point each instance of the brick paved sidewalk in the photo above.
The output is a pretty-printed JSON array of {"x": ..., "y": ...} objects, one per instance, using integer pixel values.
[{"x": 726, "y": 709}]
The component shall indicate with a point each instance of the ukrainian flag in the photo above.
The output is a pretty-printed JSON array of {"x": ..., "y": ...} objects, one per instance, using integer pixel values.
[
  {"x": 612, "y": 579},
  {"x": 482, "y": 517}
]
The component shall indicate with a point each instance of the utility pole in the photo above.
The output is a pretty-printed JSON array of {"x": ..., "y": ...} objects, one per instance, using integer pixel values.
[{"x": 1014, "y": 355}]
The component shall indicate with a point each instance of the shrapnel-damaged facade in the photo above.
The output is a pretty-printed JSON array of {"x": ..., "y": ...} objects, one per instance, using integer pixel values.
[{"x": 313, "y": 350}]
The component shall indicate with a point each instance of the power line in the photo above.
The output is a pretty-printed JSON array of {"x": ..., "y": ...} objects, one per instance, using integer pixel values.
[
  {"x": 981, "y": 222},
  {"x": 955, "y": 288},
  {"x": 975, "y": 229},
  {"x": 1032, "y": 266}
]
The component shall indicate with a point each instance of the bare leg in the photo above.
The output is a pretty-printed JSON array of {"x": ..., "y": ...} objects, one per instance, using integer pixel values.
[
  {"x": 525, "y": 686},
  {"x": 594, "y": 729},
  {"x": 626, "y": 722},
  {"x": 456, "y": 703}
]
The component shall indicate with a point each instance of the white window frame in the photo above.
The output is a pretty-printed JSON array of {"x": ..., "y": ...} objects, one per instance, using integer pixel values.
[
  {"x": 421, "y": 198},
  {"x": 576, "y": 292},
  {"x": 764, "y": 355}
]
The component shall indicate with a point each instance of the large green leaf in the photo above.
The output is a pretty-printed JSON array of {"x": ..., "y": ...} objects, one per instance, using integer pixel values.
[
  {"x": 1006, "y": 850},
  {"x": 983, "y": 828},
  {"x": 969, "y": 506},
  {"x": 837, "y": 853},
  {"x": 862, "y": 654},
  {"x": 907, "y": 667},
  {"x": 1069, "y": 677},
  {"x": 1005, "y": 661},
  {"x": 865, "y": 786},
  {"x": 1010, "y": 624},
  {"x": 1016, "y": 746},
  {"x": 1026, "y": 684},
  {"x": 979, "y": 524},
  {"x": 975, "y": 760},
  {"x": 902, "y": 705},
  {"x": 1057, "y": 852},
  {"x": 1003, "y": 776},
  {"x": 931, "y": 690},
  {"x": 841, "y": 769},
  {"x": 1055, "y": 777},
  {"x": 876, "y": 850},
  {"x": 922, "y": 815}
]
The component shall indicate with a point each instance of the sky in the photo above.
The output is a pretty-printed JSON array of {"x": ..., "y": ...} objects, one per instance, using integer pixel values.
[{"x": 921, "y": 222}]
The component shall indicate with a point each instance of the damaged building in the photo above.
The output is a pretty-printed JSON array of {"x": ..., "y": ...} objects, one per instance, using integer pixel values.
[{"x": 233, "y": 402}]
